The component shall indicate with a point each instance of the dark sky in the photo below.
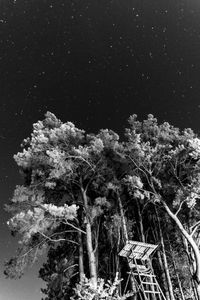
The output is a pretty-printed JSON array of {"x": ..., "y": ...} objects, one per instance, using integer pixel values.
[{"x": 92, "y": 62}]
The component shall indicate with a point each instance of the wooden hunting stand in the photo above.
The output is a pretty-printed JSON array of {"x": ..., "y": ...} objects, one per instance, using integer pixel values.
[{"x": 138, "y": 256}]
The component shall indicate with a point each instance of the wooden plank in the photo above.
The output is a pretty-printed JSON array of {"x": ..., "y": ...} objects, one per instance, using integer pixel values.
[
  {"x": 141, "y": 268},
  {"x": 144, "y": 274},
  {"x": 152, "y": 292},
  {"x": 151, "y": 283}
]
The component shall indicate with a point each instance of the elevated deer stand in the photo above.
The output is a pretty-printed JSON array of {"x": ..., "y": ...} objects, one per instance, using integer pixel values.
[{"x": 138, "y": 256}]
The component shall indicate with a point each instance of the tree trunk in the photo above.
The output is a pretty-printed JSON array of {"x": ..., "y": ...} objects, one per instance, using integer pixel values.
[
  {"x": 191, "y": 267},
  {"x": 163, "y": 276},
  {"x": 90, "y": 250},
  {"x": 166, "y": 267},
  {"x": 142, "y": 238},
  {"x": 81, "y": 265},
  {"x": 196, "y": 275},
  {"x": 140, "y": 221},
  {"x": 176, "y": 271},
  {"x": 125, "y": 232},
  {"x": 160, "y": 261}
]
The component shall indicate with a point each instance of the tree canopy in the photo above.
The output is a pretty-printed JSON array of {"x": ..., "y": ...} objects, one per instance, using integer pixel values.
[{"x": 85, "y": 195}]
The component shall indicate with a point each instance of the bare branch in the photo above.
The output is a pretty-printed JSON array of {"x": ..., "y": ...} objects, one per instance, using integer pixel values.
[
  {"x": 32, "y": 248},
  {"x": 73, "y": 226},
  {"x": 179, "y": 208},
  {"x": 81, "y": 158},
  {"x": 55, "y": 240},
  {"x": 75, "y": 265},
  {"x": 144, "y": 172},
  {"x": 194, "y": 228},
  {"x": 175, "y": 174}
]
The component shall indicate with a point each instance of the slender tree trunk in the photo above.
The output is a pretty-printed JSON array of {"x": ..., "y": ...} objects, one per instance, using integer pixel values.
[
  {"x": 125, "y": 232},
  {"x": 142, "y": 237},
  {"x": 195, "y": 248},
  {"x": 191, "y": 267},
  {"x": 166, "y": 267},
  {"x": 81, "y": 265},
  {"x": 160, "y": 261},
  {"x": 90, "y": 250},
  {"x": 140, "y": 221},
  {"x": 163, "y": 275},
  {"x": 175, "y": 270}
]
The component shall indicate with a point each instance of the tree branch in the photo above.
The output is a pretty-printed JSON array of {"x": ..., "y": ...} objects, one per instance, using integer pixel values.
[
  {"x": 73, "y": 226},
  {"x": 59, "y": 240},
  {"x": 80, "y": 157},
  {"x": 189, "y": 239},
  {"x": 179, "y": 208},
  {"x": 75, "y": 265},
  {"x": 140, "y": 169},
  {"x": 194, "y": 228}
]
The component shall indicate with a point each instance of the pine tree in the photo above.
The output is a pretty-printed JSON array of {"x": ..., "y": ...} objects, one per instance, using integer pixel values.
[
  {"x": 85, "y": 195},
  {"x": 164, "y": 170}
]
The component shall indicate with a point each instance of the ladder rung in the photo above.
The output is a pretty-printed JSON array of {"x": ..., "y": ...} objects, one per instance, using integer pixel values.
[
  {"x": 152, "y": 292},
  {"x": 151, "y": 283},
  {"x": 143, "y": 274}
]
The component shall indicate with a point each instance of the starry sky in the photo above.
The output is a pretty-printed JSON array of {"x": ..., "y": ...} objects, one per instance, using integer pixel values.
[{"x": 92, "y": 62}]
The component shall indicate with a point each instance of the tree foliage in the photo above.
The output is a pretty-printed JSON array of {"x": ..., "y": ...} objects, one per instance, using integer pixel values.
[{"x": 84, "y": 195}]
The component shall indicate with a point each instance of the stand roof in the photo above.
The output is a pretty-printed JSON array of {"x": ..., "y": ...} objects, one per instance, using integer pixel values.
[{"x": 137, "y": 250}]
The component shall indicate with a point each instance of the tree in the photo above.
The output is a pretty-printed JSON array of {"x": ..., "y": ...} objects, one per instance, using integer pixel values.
[
  {"x": 164, "y": 170},
  {"x": 51, "y": 163},
  {"x": 63, "y": 197},
  {"x": 85, "y": 195}
]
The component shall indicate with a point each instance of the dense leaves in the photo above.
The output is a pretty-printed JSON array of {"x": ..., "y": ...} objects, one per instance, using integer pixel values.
[{"x": 93, "y": 192}]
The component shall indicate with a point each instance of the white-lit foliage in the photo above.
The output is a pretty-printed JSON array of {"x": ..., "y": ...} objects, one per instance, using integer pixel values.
[
  {"x": 51, "y": 149},
  {"x": 60, "y": 152},
  {"x": 36, "y": 217},
  {"x": 56, "y": 151},
  {"x": 195, "y": 145},
  {"x": 163, "y": 160},
  {"x": 157, "y": 158},
  {"x": 34, "y": 221},
  {"x": 103, "y": 291},
  {"x": 56, "y": 154}
]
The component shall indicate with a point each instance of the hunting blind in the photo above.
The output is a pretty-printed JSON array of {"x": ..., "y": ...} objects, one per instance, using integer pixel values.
[{"x": 138, "y": 256}]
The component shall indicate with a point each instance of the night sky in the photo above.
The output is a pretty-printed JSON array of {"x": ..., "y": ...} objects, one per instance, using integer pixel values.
[{"x": 94, "y": 63}]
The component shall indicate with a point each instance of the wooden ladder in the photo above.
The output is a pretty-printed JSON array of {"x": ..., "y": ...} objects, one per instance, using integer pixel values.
[{"x": 148, "y": 287}]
